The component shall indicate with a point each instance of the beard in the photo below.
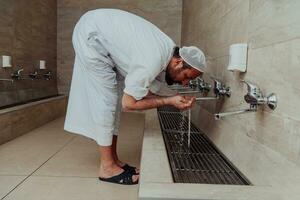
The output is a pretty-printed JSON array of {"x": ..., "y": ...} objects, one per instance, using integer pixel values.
[{"x": 169, "y": 79}]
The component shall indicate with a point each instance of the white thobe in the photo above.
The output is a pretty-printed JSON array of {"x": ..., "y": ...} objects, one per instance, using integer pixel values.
[{"x": 112, "y": 45}]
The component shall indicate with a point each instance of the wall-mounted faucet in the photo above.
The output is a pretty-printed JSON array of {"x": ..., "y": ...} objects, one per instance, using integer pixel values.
[
  {"x": 33, "y": 75},
  {"x": 203, "y": 86},
  {"x": 224, "y": 114},
  {"x": 254, "y": 98},
  {"x": 198, "y": 85},
  {"x": 48, "y": 75},
  {"x": 17, "y": 74},
  {"x": 193, "y": 83},
  {"x": 219, "y": 89}
]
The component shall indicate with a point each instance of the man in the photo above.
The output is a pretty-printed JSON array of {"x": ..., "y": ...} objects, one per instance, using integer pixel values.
[{"x": 110, "y": 46}]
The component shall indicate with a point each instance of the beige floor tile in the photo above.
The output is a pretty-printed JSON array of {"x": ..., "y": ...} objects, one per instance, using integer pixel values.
[
  {"x": 71, "y": 188},
  {"x": 25, "y": 154},
  {"x": 71, "y": 172},
  {"x": 7, "y": 183},
  {"x": 80, "y": 158}
]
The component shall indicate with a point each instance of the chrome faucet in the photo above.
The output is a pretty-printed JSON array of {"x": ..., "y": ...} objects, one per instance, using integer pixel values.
[
  {"x": 193, "y": 83},
  {"x": 48, "y": 75},
  {"x": 17, "y": 74},
  {"x": 198, "y": 85},
  {"x": 220, "y": 89},
  {"x": 224, "y": 114},
  {"x": 254, "y": 98},
  {"x": 203, "y": 86},
  {"x": 33, "y": 75}
]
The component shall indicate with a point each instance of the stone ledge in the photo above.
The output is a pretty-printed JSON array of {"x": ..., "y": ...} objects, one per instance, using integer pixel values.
[{"x": 18, "y": 120}]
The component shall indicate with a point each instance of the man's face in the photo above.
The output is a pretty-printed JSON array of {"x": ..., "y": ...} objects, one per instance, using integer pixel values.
[{"x": 177, "y": 73}]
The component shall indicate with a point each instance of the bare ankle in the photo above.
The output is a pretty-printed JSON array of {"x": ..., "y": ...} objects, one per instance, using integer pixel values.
[
  {"x": 119, "y": 163},
  {"x": 108, "y": 165},
  {"x": 108, "y": 171}
]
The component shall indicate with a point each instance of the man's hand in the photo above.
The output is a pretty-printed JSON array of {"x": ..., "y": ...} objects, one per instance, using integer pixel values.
[{"x": 181, "y": 102}]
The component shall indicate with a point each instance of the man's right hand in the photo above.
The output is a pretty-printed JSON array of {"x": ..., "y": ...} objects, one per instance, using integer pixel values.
[{"x": 182, "y": 102}]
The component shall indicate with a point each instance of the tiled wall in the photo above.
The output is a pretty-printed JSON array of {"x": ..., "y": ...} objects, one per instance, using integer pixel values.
[
  {"x": 27, "y": 33},
  {"x": 165, "y": 14},
  {"x": 272, "y": 30}
]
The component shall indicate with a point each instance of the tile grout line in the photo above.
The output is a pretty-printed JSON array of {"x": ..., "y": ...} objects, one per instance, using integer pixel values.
[
  {"x": 275, "y": 43},
  {"x": 66, "y": 144},
  {"x": 57, "y": 176}
]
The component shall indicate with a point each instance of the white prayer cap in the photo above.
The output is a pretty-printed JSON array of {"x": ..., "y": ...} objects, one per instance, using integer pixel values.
[{"x": 193, "y": 56}]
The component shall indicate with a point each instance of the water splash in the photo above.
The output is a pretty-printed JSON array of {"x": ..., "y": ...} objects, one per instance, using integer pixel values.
[
  {"x": 181, "y": 126},
  {"x": 189, "y": 128},
  {"x": 185, "y": 127}
]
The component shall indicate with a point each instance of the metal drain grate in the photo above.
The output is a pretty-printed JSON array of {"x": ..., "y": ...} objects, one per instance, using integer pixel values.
[
  {"x": 202, "y": 162},
  {"x": 173, "y": 122},
  {"x": 167, "y": 109}
]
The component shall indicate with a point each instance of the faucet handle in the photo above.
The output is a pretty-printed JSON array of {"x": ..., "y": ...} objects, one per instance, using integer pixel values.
[
  {"x": 218, "y": 86},
  {"x": 17, "y": 74},
  {"x": 228, "y": 91},
  {"x": 193, "y": 83},
  {"x": 205, "y": 86},
  {"x": 48, "y": 75},
  {"x": 272, "y": 101},
  {"x": 33, "y": 75},
  {"x": 252, "y": 89}
]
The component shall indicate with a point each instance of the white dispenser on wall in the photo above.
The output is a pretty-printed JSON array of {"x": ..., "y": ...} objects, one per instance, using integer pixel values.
[
  {"x": 238, "y": 57},
  {"x": 5, "y": 61},
  {"x": 42, "y": 64}
]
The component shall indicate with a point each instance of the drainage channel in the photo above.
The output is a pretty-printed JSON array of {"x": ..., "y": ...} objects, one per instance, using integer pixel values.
[{"x": 203, "y": 162}]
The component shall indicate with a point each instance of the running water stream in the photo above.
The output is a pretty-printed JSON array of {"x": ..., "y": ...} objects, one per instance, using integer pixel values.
[
  {"x": 189, "y": 128},
  {"x": 182, "y": 127}
]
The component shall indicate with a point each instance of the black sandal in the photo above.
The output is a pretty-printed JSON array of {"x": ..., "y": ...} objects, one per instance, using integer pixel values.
[
  {"x": 125, "y": 178},
  {"x": 127, "y": 167}
]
